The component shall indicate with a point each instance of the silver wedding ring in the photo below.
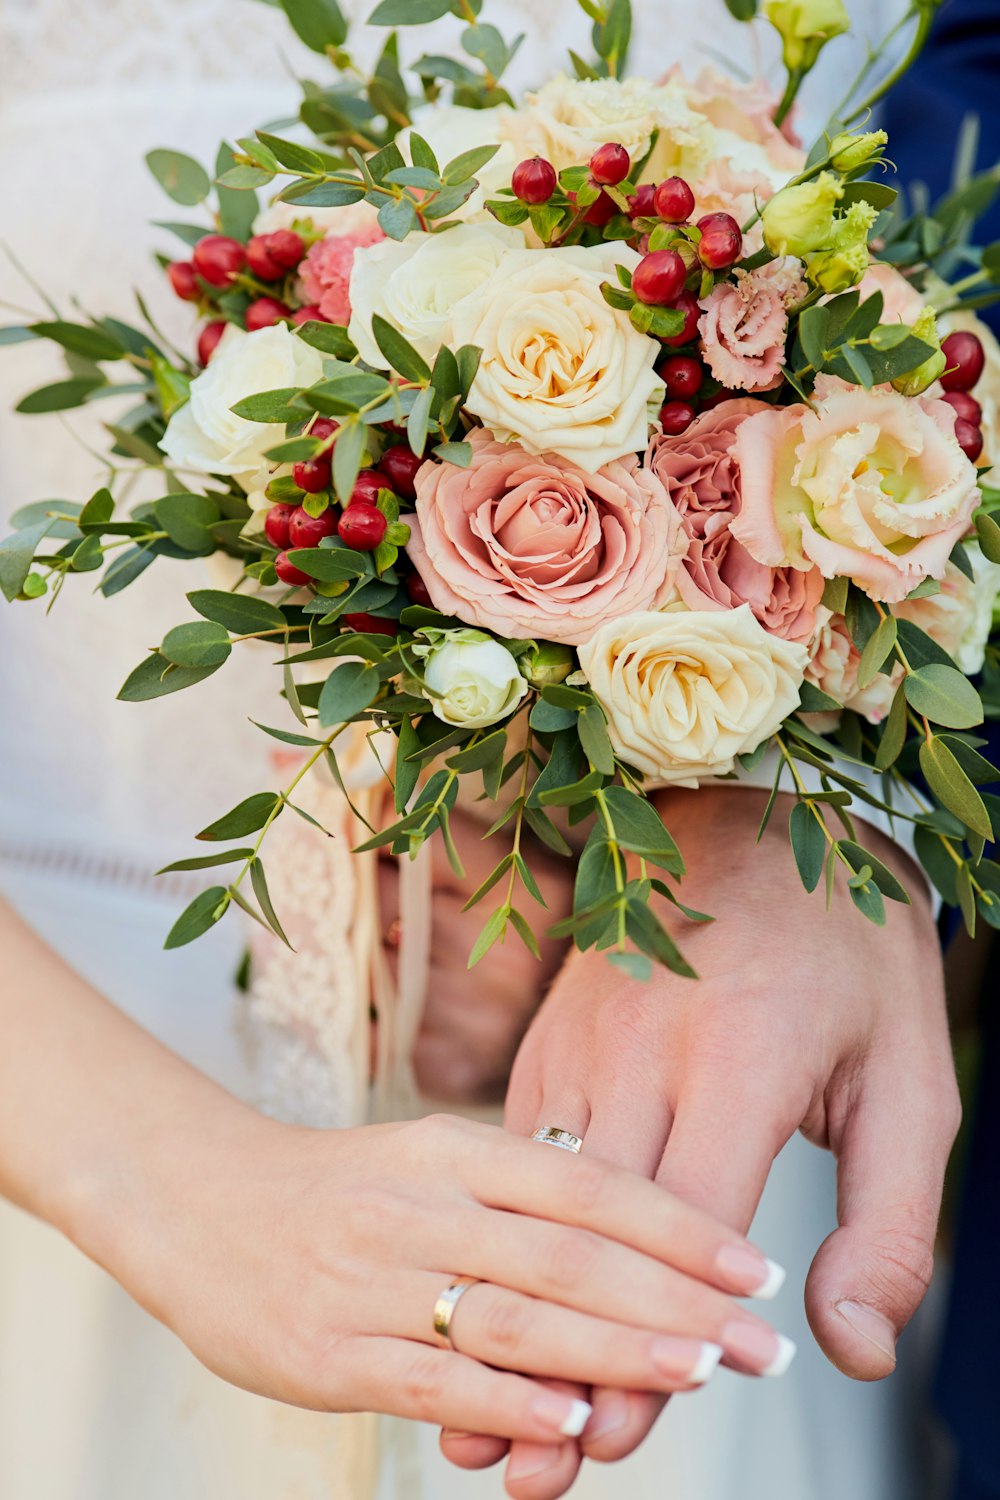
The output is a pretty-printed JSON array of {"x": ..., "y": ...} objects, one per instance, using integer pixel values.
[
  {"x": 444, "y": 1308},
  {"x": 551, "y": 1135}
]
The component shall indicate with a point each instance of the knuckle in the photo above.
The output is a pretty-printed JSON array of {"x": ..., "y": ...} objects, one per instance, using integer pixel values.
[
  {"x": 572, "y": 1260},
  {"x": 423, "y": 1386},
  {"x": 437, "y": 1133},
  {"x": 506, "y": 1324},
  {"x": 377, "y": 1211},
  {"x": 586, "y": 1184}
]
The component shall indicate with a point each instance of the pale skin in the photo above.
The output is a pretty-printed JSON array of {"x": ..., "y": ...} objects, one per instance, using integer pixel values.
[
  {"x": 818, "y": 1022},
  {"x": 304, "y": 1264}
]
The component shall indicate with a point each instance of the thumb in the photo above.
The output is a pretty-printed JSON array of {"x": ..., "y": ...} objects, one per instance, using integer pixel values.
[{"x": 870, "y": 1276}]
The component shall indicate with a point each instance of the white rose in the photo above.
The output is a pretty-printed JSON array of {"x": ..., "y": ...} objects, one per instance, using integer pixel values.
[
  {"x": 562, "y": 372},
  {"x": 960, "y": 618},
  {"x": 205, "y": 434},
  {"x": 450, "y": 130},
  {"x": 477, "y": 680},
  {"x": 415, "y": 283},
  {"x": 685, "y": 692},
  {"x": 569, "y": 118}
]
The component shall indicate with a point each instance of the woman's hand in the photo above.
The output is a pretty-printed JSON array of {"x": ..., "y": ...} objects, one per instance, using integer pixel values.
[{"x": 304, "y": 1265}]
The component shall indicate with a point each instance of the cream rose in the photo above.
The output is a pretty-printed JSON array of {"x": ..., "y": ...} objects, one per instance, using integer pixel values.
[
  {"x": 349, "y": 218},
  {"x": 562, "y": 372},
  {"x": 450, "y": 130},
  {"x": 205, "y": 434},
  {"x": 868, "y": 485},
  {"x": 686, "y": 692},
  {"x": 415, "y": 284},
  {"x": 960, "y": 618},
  {"x": 474, "y": 681}
]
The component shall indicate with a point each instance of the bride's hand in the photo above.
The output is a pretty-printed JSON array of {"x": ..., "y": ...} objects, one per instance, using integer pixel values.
[{"x": 305, "y": 1265}]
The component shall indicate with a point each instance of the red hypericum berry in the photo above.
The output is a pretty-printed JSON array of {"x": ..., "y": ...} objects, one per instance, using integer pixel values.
[
  {"x": 305, "y": 530},
  {"x": 288, "y": 572},
  {"x": 610, "y": 164},
  {"x": 372, "y": 624},
  {"x": 659, "y": 277},
  {"x": 265, "y": 312},
  {"x": 965, "y": 357},
  {"x": 400, "y": 465},
  {"x": 601, "y": 211},
  {"x": 362, "y": 527},
  {"x": 640, "y": 205},
  {"x": 964, "y": 406},
  {"x": 285, "y": 247},
  {"x": 311, "y": 314},
  {"x": 534, "y": 181},
  {"x": 687, "y": 303},
  {"x": 676, "y": 417},
  {"x": 970, "y": 439},
  {"x": 721, "y": 242},
  {"x": 682, "y": 376},
  {"x": 417, "y": 590},
  {"x": 673, "y": 200},
  {"x": 208, "y": 339},
  {"x": 276, "y": 525},
  {"x": 260, "y": 260},
  {"x": 184, "y": 280},
  {"x": 323, "y": 428},
  {"x": 367, "y": 486},
  {"x": 312, "y": 474},
  {"x": 217, "y": 259}
]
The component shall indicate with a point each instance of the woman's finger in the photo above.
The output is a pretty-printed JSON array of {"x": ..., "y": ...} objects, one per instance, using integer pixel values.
[
  {"x": 541, "y": 1471},
  {"x": 529, "y": 1178},
  {"x": 510, "y": 1331},
  {"x": 408, "y": 1379},
  {"x": 620, "y": 1422}
]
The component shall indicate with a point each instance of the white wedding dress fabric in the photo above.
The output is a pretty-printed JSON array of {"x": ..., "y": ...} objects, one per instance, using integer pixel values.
[{"x": 97, "y": 1401}]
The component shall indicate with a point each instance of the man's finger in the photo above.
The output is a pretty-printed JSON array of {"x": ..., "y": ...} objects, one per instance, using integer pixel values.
[
  {"x": 871, "y": 1274},
  {"x": 629, "y": 1122}
]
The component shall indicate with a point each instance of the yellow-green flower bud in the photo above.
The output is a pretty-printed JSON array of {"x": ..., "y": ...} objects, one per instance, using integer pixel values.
[
  {"x": 849, "y": 153},
  {"x": 843, "y": 263},
  {"x": 805, "y": 26},
  {"x": 799, "y": 219},
  {"x": 915, "y": 382},
  {"x": 548, "y": 665}
]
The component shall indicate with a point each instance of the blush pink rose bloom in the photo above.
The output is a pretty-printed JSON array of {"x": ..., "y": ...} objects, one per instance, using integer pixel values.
[
  {"x": 535, "y": 546},
  {"x": 833, "y": 668},
  {"x": 326, "y": 271},
  {"x": 700, "y": 473},
  {"x": 743, "y": 327},
  {"x": 869, "y": 485}
]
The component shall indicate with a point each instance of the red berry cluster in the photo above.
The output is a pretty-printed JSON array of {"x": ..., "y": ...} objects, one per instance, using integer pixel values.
[
  {"x": 216, "y": 262},
  {"x": 966, "y": 359}
]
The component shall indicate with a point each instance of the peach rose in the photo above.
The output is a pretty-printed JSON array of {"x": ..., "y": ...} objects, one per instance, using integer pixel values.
[
  {"x": 535, "y": 546},
  {"x": 868, "y": 485},
  {"x": 699, "y": 472},
  {"x": 833, "y": 668}
]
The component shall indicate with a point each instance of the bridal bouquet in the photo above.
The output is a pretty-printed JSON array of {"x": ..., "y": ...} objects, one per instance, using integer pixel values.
[{"x": 584, "y": 444}]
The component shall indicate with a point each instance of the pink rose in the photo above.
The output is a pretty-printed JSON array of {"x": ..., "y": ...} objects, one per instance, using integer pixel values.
[
  {"x": 699, "y": 472},
  {"x": 743, "y": 328},
  {"x": 326, "y": 271},
  {"x": 535, "y": 546},
  {"x": 833, "y": 668},
  {"x": 868, "y": 485}
]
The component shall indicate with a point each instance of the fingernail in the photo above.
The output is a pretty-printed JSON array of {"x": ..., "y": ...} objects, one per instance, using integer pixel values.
[
  {"x": 563, "y": 1414},
  {"x": 610, "y": 1415},
  {"x": 871, "y": 1326},
  {"x": 749, "y": 1272},
  {"x": 760, "y": 1348},
  {"x": 529, "y": 1459},
  {"x": 686, "y": 1359}
]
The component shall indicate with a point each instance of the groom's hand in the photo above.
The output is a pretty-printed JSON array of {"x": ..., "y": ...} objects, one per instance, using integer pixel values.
[{"x": 801, "y": 1019}]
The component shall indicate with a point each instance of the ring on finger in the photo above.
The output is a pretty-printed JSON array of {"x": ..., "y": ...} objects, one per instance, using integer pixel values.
[
  {"x": 444, "y": 1309},
  {"x": 552, "y": 1135}
]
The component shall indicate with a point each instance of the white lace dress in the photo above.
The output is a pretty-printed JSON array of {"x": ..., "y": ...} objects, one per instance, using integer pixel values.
[{"x": 97, "y": 1402}]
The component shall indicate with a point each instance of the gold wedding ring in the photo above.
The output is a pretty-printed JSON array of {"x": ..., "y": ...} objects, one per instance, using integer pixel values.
[
  {"x": 551, "y": 1135},
  {"x": 444, "y": 1308}
]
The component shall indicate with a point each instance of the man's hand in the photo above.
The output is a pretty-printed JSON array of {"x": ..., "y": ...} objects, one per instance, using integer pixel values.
[{"x": 800, "y": 1019}]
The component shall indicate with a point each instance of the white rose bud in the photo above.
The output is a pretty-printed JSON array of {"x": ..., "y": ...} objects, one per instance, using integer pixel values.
[{"x": 475, "y": 680}]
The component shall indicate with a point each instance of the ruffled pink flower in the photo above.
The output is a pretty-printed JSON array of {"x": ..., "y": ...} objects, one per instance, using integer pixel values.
[
  {"x": 536, "y": 547},
  {"x": 326, "y": 271},
  {"x": 700, "y": 473},
  {"x": 743, "y": 328}
]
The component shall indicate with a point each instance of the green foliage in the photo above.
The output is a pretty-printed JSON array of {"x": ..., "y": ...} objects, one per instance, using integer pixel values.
[{"x": 181, "y": 177}]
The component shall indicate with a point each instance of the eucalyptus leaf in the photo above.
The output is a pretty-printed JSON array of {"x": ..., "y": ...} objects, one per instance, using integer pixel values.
[
  {"x": 246, "y": 817},
  {"x": 348, "y": 691},
  {"x": 243, "y": 614},
  {"x": 204, "y": 911},
  {"x": 944, "y": 695},
  {"x": 181, "y": 177}
]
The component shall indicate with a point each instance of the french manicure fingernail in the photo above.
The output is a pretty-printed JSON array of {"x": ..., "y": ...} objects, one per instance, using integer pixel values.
[
  {"x": 749, "y": 1272},
  {"x": 758, "y": 1347},
  {"x": 529, "y": 1459},
  {"x": 686, "y": 1359},
  {"x": 609, "y": 1416},
  {"x": 871, "y": 1326},
  {"x": 564, "y": 1414}
]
